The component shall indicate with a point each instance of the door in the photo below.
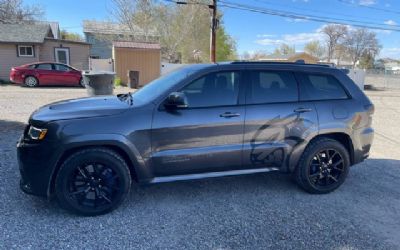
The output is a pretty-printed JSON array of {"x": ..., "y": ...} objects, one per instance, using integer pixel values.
[
  {"x": 207, "y": 136},
  {"x": 46, "y": 74},
  {"x": 62, "y": 55},
  {"x": 66, "y": 75},
  {"x": 276, "y": 122}
]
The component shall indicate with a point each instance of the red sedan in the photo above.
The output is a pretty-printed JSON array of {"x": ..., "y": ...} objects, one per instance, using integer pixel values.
[{"x": 46, "y": 73}]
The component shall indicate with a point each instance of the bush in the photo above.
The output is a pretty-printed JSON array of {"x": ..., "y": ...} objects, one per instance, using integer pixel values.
[{"x": 118, "y": 82}]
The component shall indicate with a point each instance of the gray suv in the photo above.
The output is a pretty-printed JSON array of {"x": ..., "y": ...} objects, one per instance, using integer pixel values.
[{"x": 201, "y": 121}]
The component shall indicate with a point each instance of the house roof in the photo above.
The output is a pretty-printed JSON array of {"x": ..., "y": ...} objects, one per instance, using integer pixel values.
[
  {"x": 98, "y": 27},
  {"x": 24, "y": 33},
  {"x": 287, "y": 57},
  {"x": 135, "y": 45}
]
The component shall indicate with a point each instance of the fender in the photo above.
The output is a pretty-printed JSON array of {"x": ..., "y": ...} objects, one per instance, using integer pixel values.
[{"x": 71, "y": 142}]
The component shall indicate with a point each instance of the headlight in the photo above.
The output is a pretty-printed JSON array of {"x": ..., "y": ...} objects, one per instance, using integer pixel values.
[{"x": 37, "y": 133}]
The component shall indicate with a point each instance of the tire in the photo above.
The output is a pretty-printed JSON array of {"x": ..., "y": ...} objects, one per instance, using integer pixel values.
[
  {"x": 82, "y": 83},
  {"x": 317, "y": 174},
  {"x": 31, "y": 81},
  {"x": 92, "y": 182}
]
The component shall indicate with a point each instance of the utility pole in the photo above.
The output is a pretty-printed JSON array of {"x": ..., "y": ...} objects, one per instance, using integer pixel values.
[{"x": 214, "y": 26}]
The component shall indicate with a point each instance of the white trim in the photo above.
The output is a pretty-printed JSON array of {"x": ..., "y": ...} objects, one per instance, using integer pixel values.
[
  {"x": 66, "y": 50},
  {"x": 25, "y": 46}
]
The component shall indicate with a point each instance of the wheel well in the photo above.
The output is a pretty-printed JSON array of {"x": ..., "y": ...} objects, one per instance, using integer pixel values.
[
  {"x": 344, "y": 139},
  {"x": 69, "y": 152}
]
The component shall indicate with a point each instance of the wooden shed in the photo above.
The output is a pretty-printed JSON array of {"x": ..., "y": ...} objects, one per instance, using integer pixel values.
[{"x": 141, "y": 60}]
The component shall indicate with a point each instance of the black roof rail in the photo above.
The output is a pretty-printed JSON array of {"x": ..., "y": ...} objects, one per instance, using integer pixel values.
[{"x": 298, "y": 62}]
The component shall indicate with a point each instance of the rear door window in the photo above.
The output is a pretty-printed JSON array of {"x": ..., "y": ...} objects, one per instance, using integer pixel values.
[
  {"x": 272, "y": 87},
  {"x": 61, "y": 67},
  {"x": 45, "y": 66},
  {"x": 320, "y": 87}
]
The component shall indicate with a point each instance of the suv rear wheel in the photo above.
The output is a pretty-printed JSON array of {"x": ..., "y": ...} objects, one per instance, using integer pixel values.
[
  {"x": 323, "y": 166},
  {"x": 92, "y": 181}
]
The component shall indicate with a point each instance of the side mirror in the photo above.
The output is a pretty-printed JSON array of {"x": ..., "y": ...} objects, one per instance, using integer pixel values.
[{"x": 176, "y": 100}]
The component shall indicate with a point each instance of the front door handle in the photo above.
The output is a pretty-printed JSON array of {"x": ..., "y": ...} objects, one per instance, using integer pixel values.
[
  {"x": 302, "y": 110},
  {"x": 229, "y": 115}
]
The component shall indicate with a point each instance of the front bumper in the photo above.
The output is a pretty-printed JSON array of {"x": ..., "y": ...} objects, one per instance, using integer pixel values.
[{"x": 36, "y": 164}]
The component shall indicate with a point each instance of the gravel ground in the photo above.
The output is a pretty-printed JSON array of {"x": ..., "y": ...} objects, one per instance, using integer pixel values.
[{"x": 254, "y": 212}]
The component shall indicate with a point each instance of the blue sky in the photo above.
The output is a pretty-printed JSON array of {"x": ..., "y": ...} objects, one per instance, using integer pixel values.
[{"x": 255, "y": 31}]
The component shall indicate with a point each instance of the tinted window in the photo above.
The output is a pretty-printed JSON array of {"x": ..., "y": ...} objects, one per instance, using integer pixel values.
[
  {"x": 321, "y": 87},
  {"x": 61, "y": 67},
  {"x": 215, "y": 89},
  {"x": 272, "y": 87},
  {"x": 45, "y": 66}
]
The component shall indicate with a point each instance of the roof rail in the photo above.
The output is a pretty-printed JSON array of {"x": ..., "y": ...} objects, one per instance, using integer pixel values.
[{"x": 298, "y": 62}]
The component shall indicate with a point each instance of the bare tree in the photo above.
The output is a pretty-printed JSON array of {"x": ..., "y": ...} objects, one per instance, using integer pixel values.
[
  {"x": 284, "y": 49},
  {"x": 314, "y": 48},
  {"x": 14, "y": 11},
  {"x": 361, "y": 42},
  {"x": 335, "y": 33}
]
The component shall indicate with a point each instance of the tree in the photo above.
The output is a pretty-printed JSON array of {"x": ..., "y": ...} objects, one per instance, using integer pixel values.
[
  {"x": 335, "y": 33},
  {"x": 183, "y": 30},
  {"x": 226, "y": 46},
  {"x": 71, "y": 36},
  {"x": 14, "y": 11},
  {"x": 361, "y": 43},
  {"x": 314, "y": 48},
  {"x": 284, "y": 49}
]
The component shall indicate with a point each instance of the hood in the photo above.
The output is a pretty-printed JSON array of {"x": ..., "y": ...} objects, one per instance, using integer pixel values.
[{"x": 79, "y": 108}]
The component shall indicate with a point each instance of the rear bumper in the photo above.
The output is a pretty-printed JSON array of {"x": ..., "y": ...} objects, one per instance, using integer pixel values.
[
  {"x": 362, "y": 144},
  {"x": 16, "y": 79}
]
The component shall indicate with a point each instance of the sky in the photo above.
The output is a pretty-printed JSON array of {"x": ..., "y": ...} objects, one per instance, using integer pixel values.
[{"x": 257, "y": 31}]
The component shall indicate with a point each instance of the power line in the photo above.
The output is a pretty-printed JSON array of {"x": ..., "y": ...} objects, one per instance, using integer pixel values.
[
  {"x": 369, "y": 7},
  {"x": 314, "y": 18},
  {"x": 316, "y": 11}
]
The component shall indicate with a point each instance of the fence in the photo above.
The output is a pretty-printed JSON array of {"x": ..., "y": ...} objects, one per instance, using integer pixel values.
[{"x": 382, "y": 79}]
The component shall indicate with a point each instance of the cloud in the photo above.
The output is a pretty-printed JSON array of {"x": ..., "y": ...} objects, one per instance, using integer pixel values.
[
  {"x": 367, "y": 2},
  {"x": 292, "y": 39},
  {"x": 296, "y": 20},
  {"x": 390, "y": 22}
]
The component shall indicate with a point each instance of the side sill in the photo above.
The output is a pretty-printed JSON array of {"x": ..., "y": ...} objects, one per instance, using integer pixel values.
[{"x": 173, "y": 178}]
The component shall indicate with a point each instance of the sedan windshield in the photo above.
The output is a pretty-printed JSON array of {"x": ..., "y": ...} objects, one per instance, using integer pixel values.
[{"x": 158, "y": 86}]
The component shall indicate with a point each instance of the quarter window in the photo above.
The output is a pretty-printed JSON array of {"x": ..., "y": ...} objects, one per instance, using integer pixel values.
[
  {"x": 272, "y": 87},
  {"x": 25, "y": 51},
  {"x": 320, "y": 87},
  {"x": 61, "y": 67},
  {"x": 215, "y": 89}
]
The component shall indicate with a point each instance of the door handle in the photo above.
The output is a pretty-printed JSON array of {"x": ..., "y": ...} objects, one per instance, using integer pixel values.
[
  {"x": 302, "y": 110},
  {"x": 229, "y": 114}
]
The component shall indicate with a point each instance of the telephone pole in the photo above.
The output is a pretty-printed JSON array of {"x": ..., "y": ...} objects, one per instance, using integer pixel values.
[{"x": 214, "y": 26}]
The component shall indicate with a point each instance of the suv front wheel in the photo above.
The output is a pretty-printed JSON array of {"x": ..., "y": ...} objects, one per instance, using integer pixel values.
[
  {"x": 323, "y": 166},
  {"x": 92, "y": 181}
]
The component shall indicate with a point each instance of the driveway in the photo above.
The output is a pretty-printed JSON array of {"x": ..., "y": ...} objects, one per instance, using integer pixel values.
[{"x": 253, "y": 212}]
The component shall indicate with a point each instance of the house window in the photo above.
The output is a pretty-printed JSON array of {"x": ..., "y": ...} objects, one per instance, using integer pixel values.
[{"x": 26, "y": 51}]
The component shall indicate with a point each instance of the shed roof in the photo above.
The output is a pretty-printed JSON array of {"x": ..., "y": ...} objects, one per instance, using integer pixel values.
[
  {"x": 24, "y": 33},
  {"x": 136, "y": 45}
]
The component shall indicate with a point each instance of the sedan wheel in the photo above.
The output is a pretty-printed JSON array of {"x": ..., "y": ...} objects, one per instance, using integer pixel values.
[{"x": 31, "y": 81}]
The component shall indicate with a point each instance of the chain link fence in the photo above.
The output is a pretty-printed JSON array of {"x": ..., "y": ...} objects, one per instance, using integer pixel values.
[{"x": 383, "y": 79}]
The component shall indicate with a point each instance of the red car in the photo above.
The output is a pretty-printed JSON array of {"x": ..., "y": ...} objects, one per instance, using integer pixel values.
[{"x": 46, "y": 73}]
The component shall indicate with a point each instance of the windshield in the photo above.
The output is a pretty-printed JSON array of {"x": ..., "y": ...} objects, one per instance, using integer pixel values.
[{"x": 158, "y": 86}]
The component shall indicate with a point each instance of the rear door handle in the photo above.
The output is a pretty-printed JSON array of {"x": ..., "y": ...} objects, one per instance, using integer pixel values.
[
  {"x": 229, "y": 114},
  {"x": 302, "y": 110}
]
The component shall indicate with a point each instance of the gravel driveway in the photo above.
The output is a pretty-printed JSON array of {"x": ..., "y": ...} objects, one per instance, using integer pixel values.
[{"x": 254, "y": 212}]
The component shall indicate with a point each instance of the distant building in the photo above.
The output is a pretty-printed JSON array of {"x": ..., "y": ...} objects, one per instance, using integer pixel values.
[
  {"x": 101, "y": 36},
  {"x": 291, "y": 58}
]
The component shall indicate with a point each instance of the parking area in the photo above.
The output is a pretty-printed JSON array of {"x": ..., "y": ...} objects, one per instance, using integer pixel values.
[{"x": 253, "y": 212}]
